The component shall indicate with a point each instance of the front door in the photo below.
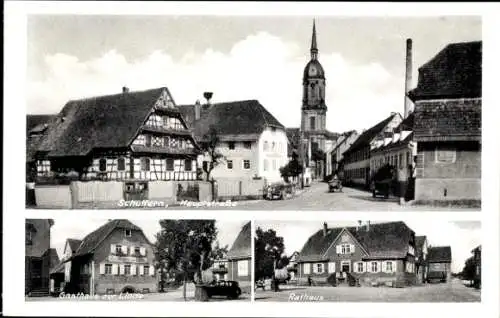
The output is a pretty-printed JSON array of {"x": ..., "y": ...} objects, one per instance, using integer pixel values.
[
  {"x": 36, "y": 273},
  {"x": 346, "y": 267}
]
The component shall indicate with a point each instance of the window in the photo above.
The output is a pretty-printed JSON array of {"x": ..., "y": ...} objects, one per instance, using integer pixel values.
[
  {"x": 446, "y": 155},
  {"x": 247, "y": 145},
  {"x": 166, "y": 141},
  {"x": 374, "y": 267},
  {"x": 388, "y": 267},
  {"x": 266, "y": 146},
  {"x": 146, "y": 269},
  {"x": 346, "y": 248},
  {"x": 319, "y": 268},
  {"x": 137, "y": 250},
  {"x": 243, "y": 268},
  {"x": 246, "y": 164},
  {"x": 148, "y": 141},
  {"x": 119, "y": 249},
  {"x": 204, "y": 165},
  {"x": 102, "y": 165},
  {"x": 128, "y": 233},
  {"x": 273, "y": 129},
  {"x": 127, "y": 269},
  {"x": 108, "y": 269},
  {"x": 230, "y": 145},
  {"x": 401, "y": 160},
  {"x": 170, "y": 164},
  {"x": 29, "y": 238},
  {"x": 230, "y": 164},
  {"x": 145, "y": 164},
  {"x": 188, "y": 165},
  {"x": 274, "y": 164},
  {"x": 312, "y": 123},
  {"x": 360, "y": 267},
  {"x": 121, "y": 164},
  {"x": 307, "y": 268},
  {"x": 266, "y": 165}
]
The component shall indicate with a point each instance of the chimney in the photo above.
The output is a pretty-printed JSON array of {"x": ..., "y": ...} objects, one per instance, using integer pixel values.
[
  {"x": 208, "y": 97},
  {"x": 125, "y": 89},
  {"x": 358, "y": 226},
  {"x": 325, "y": 229},
  {"x": 408, "y": 76},
  {"x": 367, "y": 226},
  {"x": 197, "y": 110}
]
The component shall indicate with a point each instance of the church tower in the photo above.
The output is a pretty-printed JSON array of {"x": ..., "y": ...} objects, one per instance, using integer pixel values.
[{"x": 313, "y": 122}]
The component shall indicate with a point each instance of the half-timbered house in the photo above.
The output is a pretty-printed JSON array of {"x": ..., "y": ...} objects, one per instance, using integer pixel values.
[
  {"x": 127, "y": 136},
  {"x": 369, "y": 254}
]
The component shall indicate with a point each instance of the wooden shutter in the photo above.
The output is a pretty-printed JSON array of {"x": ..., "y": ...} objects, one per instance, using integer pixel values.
[
  {"x": 113, "y": 249},
  {"x": 141, "y": 270},
  {"x": 339, "y": 249},
  {"x": 102, "y": 268},
  {"x": 122, "y": 269},
  {"x": 151, "y": 270},
  {"x": 352, "y": 248},
  {"x": 125, "y": 249},
  {"x": 384, "y": 267},
  {"x": 331, "y": 267},
  {"x": 133, "y": 270},
  {"x": 419, "y": 165},
  {"x": 143, "y": 251},
  {"x": 114, "y": 269}
]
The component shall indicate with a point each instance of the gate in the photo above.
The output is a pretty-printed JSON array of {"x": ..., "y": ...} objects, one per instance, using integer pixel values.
[{"x": 135, "y": 191}]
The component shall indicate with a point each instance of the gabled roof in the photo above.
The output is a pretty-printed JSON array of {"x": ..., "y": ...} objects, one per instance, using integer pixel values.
[
  {"x": 94, "y": 239},
  {"x": 73, "y": 244},
  {"x": 37, "y": 121},
  {"x": 343, "y": 137},
  {"x": 36, "y": 128},
  {"x": 367, "y": 136},
  {"x": 439, "y": 254},
  {"x": 455, "y": 72},
  {"x": 110, "y": 121},
  {"x": 382, "y": 240},
  {"x": 54, "y": 258},
  {"x": 247, "y": 118},
  {"x": 241, "y": 246},
  {"x": 420, "y": 240}
]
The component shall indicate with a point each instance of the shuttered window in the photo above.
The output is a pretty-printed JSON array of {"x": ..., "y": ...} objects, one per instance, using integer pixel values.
[
  {"x": 108, "y": 269},
  {"x": 121, "y": 164},
  {"x": 102, "y": 165}
]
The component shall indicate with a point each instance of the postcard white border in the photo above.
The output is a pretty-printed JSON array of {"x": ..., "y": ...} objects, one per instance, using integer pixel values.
[{"x": 14, "y": 212}]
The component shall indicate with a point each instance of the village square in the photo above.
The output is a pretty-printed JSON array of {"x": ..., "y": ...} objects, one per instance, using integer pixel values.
[
  {"x": 366, "y": 262},
  {"x": 130, "y": 144}
]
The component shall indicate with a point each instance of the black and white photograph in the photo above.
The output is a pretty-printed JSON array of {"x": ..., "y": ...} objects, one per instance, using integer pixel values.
[
  {"x": 254, "y": 112},
  {"x": 363, "y": 261},
  {"x": 119, "y": 260}
]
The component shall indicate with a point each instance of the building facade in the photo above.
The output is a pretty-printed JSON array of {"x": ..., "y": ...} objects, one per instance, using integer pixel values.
[
  {"x": 335, "y": 155},
  {"x": 439, "y": 263},
  {"x": 37, "y": 258},
  {"x": 252, "y": 141},
  {"x": 115, "y": 258},
  {"x": 477, "y": 263},
  {"x": 357, "y": 159},
  {"x": 421, "y": 258},
  {"x": 128, "y": 136},
  {"x": 448, "y": 125},
  {"x": 371, "y": 254},
  {"x": 239, "y": 259}
]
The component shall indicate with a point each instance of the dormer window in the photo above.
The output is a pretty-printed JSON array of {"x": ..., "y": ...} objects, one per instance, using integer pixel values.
[{"x": 128, "y": 233}]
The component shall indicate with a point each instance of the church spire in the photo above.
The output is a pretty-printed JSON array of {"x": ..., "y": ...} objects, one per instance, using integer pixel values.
[{"x": 314, "y": 45}]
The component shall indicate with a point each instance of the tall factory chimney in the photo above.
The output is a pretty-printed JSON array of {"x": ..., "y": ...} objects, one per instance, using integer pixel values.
[{"x": 408, "y": 77}]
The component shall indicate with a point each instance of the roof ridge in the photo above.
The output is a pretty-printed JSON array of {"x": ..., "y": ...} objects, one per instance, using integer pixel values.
[{"x": 113, "y": 95}]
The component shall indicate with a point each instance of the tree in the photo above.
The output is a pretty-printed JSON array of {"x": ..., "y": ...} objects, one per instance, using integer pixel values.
[
  {"x": 209, "y": 146},
  {"x": 469, "y": 270},
  {"x": 268, "y": 251},
  {"x": 293, "y": 168},
  {"x": 219, "y": 252},
  {"x": 185, "y": 245}
]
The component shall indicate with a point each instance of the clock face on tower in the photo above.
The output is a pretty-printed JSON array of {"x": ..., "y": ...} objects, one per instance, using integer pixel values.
[{"x": 312, "y": 71}]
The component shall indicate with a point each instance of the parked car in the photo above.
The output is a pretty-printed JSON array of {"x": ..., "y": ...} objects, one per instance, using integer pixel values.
[
  {"x": 334, "y": 185},
  {"x": 228, "y": 288},
  {"x": 278, "y": 191}
]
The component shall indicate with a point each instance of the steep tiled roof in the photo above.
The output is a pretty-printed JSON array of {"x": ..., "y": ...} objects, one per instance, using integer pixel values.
[
  {"x": 455, "y": 72},
  {"x": 246, "y": 118},
  {"x": 110, "y": 121},
  {"x": 420, "y": 240},
  {"x": 54, "y": 258},
  {"x": 367, "y": 136},
  {"x": 382, "y": 240},
  {"x": 36, "y": 121},
  {"x": 241, "y": 246},
  {"x": 36, "y": 128},
  {"x": 456, "y": 119},
  {"x": 92, "y": 240},
  {"x": 439, "y": 254}
]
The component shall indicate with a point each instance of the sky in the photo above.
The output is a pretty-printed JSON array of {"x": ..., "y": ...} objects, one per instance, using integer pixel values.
[
  {"x": 462, "y": 236},
  {"x": 65, "y": 228},
  {"x": 237, "y": 58}
]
